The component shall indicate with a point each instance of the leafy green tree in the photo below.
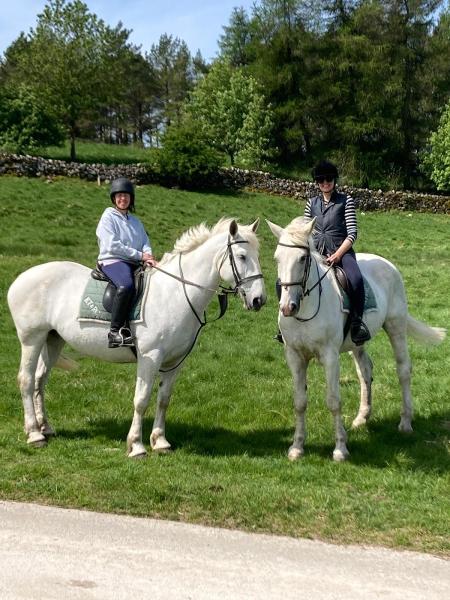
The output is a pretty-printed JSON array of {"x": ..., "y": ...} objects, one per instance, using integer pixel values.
[
  {"x": 436, "y": 160},
  {"x": 62, "y": 63},
  {"x": 25, "y": 123},
  {"x": 230, "y": 110}
]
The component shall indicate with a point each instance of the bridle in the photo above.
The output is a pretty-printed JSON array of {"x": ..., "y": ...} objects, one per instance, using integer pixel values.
[
  {"x": 238, "y": 280},
  {"x": 304, "y": 291},
  {"x": 222, "y": 295}
]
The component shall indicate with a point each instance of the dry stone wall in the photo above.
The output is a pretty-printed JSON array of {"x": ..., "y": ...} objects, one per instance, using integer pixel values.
[{"x": 370, "y": 200}]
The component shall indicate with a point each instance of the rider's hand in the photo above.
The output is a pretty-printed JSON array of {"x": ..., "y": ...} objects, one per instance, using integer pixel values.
[
  {"x": 334, "y": 258},
  {"x": 149, "y": 259}
]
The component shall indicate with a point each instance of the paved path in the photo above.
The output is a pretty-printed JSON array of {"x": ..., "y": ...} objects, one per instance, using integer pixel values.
[{"x": 57, "y": 554}]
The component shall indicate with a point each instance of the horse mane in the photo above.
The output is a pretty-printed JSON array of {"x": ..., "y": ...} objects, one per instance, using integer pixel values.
[
  {"x": 198, "y": 234},
  {"x": 297, "y": 235}
]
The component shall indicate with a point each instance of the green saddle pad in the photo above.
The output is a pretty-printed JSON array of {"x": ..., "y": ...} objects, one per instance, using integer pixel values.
[
  {"x": 370, "y": 302},
  {"x": 92, "y": 309}
]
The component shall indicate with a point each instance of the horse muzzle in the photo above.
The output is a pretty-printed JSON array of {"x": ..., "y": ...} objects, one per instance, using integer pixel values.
[{"x": 289, "y": 310}]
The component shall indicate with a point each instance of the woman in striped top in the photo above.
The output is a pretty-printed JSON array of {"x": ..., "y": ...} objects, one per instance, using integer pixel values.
[{"x": 335, "y": 232}]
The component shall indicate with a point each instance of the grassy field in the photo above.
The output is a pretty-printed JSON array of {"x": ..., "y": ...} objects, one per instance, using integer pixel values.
[{"x": 231, "y": 417}]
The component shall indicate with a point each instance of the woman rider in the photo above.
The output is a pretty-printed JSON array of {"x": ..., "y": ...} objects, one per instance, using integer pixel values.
[
  {"x": 123, "y": 246},
  {"x": 334, "y": 234}
]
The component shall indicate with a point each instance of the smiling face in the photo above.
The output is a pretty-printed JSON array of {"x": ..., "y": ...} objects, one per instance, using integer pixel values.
[
  {"x": 326, "y": 184},
  {"x": 122, "y": 201}
]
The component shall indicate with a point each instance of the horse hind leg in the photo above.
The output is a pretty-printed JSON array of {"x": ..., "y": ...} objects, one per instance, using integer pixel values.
[
  {"x": 396, "y": 330},
  {"x": 364, "y": 369},
  {"x": 48, "y": 357},
  {"x": 31, "y": 349}
]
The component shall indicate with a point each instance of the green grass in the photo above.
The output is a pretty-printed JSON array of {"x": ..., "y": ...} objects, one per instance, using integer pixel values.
[
  {"x": 231, "y": 417},
  {"x": 88, "y": 151}
]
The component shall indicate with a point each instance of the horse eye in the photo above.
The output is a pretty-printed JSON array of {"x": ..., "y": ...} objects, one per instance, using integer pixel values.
[
  {"x": 302, "y": 258},
  {"x": 241, "y": 257}
]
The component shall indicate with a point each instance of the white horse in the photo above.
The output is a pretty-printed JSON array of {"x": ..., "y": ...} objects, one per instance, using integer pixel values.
[
  {"x": 44, "y": 303},
  {"x": 311, "y": 321}
]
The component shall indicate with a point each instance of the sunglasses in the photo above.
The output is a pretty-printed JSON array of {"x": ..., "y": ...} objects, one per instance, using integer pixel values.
[{"x": 323, "y": 178}]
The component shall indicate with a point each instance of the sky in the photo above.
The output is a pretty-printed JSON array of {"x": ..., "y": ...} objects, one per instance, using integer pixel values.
[{"x": 198, "y": 22}]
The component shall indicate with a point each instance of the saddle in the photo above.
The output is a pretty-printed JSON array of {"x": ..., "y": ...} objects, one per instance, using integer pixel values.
[
  {"x": 341, "y": 278},
  {"x": 110, "y": 291}
]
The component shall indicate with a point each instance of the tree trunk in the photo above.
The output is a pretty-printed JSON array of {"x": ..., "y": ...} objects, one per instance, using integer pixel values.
[{"x": 73, "y": 155}]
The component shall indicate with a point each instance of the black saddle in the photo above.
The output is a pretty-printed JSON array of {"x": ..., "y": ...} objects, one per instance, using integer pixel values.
[{"x": 110, "y": 291}]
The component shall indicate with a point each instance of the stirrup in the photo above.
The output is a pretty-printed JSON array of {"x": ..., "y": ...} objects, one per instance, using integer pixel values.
[
  {"x": 278, "y": 337},
  {"x": 118, "y": 339}
]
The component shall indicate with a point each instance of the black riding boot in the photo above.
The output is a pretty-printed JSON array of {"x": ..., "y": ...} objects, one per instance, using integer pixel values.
[
  {"x": 120, "y": 334},
  {"x": 359, "y": 332}
]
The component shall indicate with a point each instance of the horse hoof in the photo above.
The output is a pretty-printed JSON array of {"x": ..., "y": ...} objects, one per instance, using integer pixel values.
[
  {"x": 340, "y": 455},
  {"x": 48, "y": 431},
  {"x": 359, "y": 422},
  {"x": 159, "y": 443},
  {"x": 405, "y": 427},
  {"x": 137, "y": 451},
  {"x": 294, "y": 454},
  {"x": 36, "y": 439}
]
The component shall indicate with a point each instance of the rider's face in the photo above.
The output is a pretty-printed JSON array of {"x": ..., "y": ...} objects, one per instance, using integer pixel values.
[{"x": 122, "y": 201}]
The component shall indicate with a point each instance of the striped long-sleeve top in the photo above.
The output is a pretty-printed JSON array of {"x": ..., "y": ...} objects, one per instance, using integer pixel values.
[{"x": 336, "y": 220}]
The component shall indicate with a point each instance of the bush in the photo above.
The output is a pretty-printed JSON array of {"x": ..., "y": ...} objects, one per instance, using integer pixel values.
[
  {"x": 436, "y": 160},
  {"x": 186, "y": 159}
]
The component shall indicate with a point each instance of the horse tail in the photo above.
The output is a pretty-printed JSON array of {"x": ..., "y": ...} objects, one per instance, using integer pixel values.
[
  {"x": 66, "y": 363},
  {"x": 424, "y": 333}
]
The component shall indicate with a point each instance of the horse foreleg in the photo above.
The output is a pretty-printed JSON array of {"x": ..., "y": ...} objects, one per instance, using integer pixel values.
[
  {"x": 364, "y": 368},
  {"x": 330, "y": 362},
  {"x": 298, "y": 365},
  {"x": 146, "y": 373},
  {"x": 396, "y": 331},
  {"x": 26, "y": 379},
  {"x": 49, "y": 355},
  {"x": 158, "y": 440}
]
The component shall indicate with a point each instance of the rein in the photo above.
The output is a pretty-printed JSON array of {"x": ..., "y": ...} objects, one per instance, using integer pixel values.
[
  {"x": 222, "y": 295},
  {"x": 303, "y": 282}
]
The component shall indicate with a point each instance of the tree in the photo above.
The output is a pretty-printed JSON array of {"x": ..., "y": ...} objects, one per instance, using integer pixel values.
[
  {"x": 231, "y": 111},
  {"x": 436, "y": 161},
  {"x": 174, "y": 70},
  {"x": 25, "y": 123},
  {"x": 235, "y": 42},
  {"x": 62, "y": 63}
]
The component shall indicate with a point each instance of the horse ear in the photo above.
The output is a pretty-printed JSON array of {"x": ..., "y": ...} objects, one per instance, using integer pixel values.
[
  {"x": 233, "y": 228},
  {"x": 275, "y": 229},
  {"x": 255, "y": 225},
  {"x": 310, "y": 226}
]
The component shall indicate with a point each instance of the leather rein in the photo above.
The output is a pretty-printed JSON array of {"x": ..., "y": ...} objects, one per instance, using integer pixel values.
[{"x": 304, "y": 280}]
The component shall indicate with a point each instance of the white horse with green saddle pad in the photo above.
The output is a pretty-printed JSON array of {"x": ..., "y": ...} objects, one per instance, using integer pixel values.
[
  {"x": 311, "y": 321},
  {"x": 44, "y": 302}
]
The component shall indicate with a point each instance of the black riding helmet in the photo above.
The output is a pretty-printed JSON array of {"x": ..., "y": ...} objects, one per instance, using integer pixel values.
[
  {"x": 325, "y": 168},
  {"x": 124, "y": 185}
]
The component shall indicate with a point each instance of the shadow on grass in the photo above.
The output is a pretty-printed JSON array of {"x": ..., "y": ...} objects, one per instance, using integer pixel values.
[{"x": 383, "y": 445}]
